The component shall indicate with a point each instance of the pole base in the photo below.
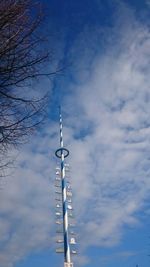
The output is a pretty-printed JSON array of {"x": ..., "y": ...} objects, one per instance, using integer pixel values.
[{"x": 68, "y": 264}]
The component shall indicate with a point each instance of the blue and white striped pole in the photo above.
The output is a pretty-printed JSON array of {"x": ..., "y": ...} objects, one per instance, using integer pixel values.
[{"x": 62, "y": 153}]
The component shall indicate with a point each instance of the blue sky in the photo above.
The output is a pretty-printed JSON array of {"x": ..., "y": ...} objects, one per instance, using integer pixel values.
[{"x": 105, "y": 97}]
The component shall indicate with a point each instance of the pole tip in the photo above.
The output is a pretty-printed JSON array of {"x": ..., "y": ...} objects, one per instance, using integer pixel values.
[{"x": 59, "y": 109}]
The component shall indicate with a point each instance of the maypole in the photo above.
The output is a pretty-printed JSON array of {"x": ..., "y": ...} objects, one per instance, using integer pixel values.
[{"x": 63, "y": 203}]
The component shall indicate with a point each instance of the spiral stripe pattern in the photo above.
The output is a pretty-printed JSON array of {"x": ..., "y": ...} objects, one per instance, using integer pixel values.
[{"x": 64, "y": 199}]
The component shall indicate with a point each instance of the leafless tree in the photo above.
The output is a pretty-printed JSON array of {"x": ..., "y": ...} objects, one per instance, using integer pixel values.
[{"x": 21, "y": 56}]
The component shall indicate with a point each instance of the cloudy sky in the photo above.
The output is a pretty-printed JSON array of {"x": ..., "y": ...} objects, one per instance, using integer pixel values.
[{"x": 105, "y": 97}]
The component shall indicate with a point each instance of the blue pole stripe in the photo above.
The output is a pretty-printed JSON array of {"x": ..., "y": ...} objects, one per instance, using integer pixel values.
[
  {"x": 63, "y": 184},
  {"x": 62, "y": 165},
  {"x": 65, "y": 248},
  {"x": 64, "y": 210}
]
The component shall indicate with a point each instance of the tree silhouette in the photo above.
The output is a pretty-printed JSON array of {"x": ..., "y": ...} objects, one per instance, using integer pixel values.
[{"x": 21, "y": 56}]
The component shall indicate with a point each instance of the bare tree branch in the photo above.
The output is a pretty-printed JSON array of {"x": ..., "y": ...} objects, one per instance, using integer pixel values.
[{"x": 22, "y": 55}]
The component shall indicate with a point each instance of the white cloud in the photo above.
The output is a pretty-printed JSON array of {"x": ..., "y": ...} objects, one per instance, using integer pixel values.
[
  {"x": 112, "y": 160},
  {"x": 27, "y": 203}
]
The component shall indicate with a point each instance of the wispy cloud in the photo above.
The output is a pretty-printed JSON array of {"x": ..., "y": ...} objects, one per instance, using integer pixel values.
[
  {"x": 113, "y": 157},
  {"x": 27, "y": 204}
]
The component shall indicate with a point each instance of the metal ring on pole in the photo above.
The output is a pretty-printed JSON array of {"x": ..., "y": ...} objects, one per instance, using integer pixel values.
[{"x": 60, "y": 150}]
